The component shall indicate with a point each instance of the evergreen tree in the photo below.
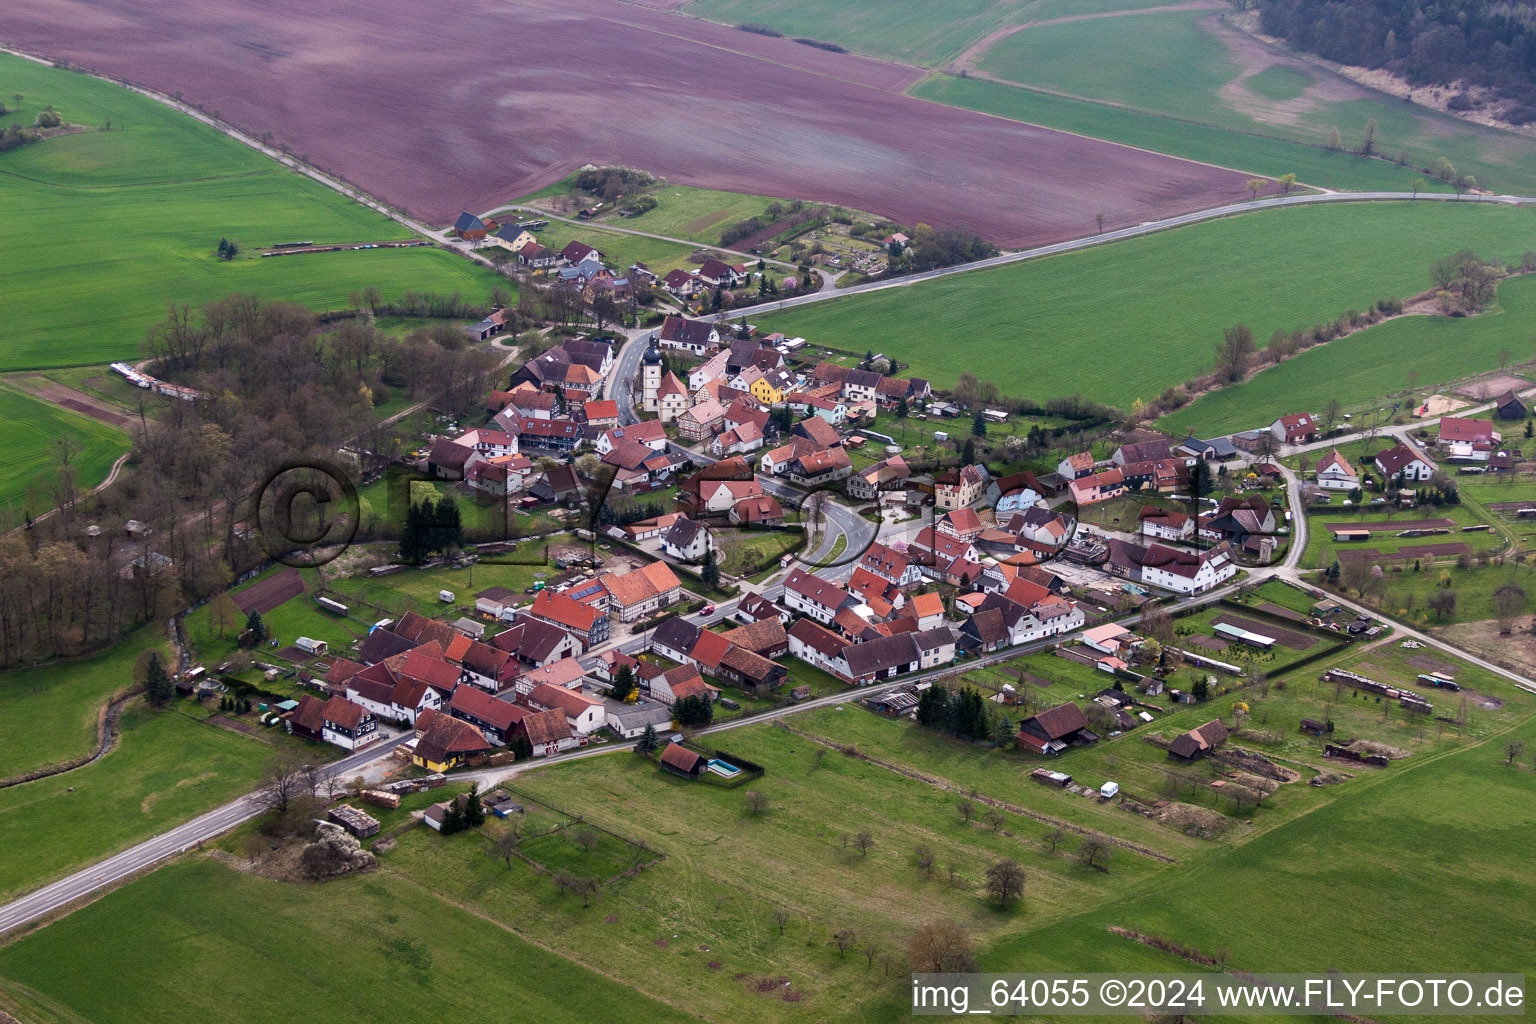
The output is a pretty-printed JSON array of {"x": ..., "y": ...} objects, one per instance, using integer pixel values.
[
  {"x": 257, "y": 628},
  {"x": 979, "y": 425},
  {"x": 710, "y": 571},
  {"x": 623, "y": 683},
  {"x": 1002, "y": 731},
  {"x": 694, "y": 711},
  {"x": 648, "y": 740},
  {"x": 968, "y": 453},
  {"x": 474, "y": 810},
  {"x": 903, "y": 410},
  {"x": 1201, "y": 690},
  {"x": 453, "y": 818},
  {"x": 410, "y": 539},
  {"x": 157, "y": 685},
  {"x": 931, "y": 706}
]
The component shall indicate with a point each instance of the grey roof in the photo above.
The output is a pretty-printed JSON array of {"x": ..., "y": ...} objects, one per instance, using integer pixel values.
[
  {"x": 880, "y": 654},
  {"x": 468, "y": 222},
  {"x": 1217, "y": 446},
  {"x": 638, "y": 715},
  {"x": 677, "y": 634}
]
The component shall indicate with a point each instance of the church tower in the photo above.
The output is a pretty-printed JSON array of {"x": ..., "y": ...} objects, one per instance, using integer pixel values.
[{"x": 650, "y": 377}]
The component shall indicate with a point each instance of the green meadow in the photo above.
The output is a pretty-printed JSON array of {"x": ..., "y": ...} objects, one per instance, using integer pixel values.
[
  {"x": 1128, "y": 319},
  {"x": 123, "y": 222},
  {"x": 48, "y": 714},
  {"x": 29, "y": 428},
  {"x": 223, "y": 946},
  {"x": 1363, "y": 368},
  {"x": 1181, "y": 65},
  {"x": 166, "y": 768},
  {"x": 911, "y": 31},
  {"x": 1254, "y": 152}
]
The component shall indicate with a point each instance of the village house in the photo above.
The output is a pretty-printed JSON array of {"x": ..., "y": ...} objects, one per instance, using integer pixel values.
[
  {"x": 444, "y": 743},
  {"x": 536, "y": 643},
  {"x": 818, "y": 646},
  {"x": 583, "y": 621},
  {"x": 693, "y": 336},
  {"x": 740, "y": 440},
  {"x": 881, "y": 658},
  {"x": 1334, "y": 473},
  {"x": 1467, "y": 440},
  {"x": 718, "y": 274},
  {"x": 962, "y": 524},
  {"x": 1297, "y": 428},
  {"x": 1097, "y": 487},
  {"x": 642, "y": 592},
  {"x": 584, "y": 713},
  {"x": 761, "y": 511},
  {"x": 347, "y": 725},
  {"x": 1165, "y": 524},
  {"x": 888, "y": 475},
  {"x": 817, "y": 468},
  {"x": 494, "y": 718},
  {"x": 469, "y": 227},
  {"x": 813, "y": 596},
  {"x": 687, "y": 541},
  {"x": 1140, "y": 451},
  {"x": 959, "y": 488},
  {"x": 1074, "y": 466},
  {"x": 547, "y": 732},
  {"x": 674, "y": 684},
  {"x": 701, "y": 421},
  {"x": 891, "y": 565},
  {"x": 1402, "y": 461},
  {"x": 1013, "y": 493}
]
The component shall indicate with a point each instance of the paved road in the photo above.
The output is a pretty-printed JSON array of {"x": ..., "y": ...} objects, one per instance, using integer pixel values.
[{"x": 41, "y": 902}]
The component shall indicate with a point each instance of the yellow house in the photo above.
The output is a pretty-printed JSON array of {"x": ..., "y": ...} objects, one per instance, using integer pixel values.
[
  {"x": 445, "y": 742},
  {"x": 513, "y": 238},
  {"x": 772, "y": 385}
]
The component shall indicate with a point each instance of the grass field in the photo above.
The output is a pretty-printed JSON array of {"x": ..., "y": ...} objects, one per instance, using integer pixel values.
[
  {"x": 700, "y": 214},
  {"x": 161, "y": 190},
  {"x": 1447, "y": 828},
  {"x": 1125, "y": 320},
  {"x": 166, "y": 768},
  {"x": 48, "y": 714},
  {"x": 910, "y": 31},
  {"x": 620, "y": 250},
  {"x": 29, "y": 427},
  {"x": 235, "y": 938},
  {"x": 1257, "y": 153},
  {"x": 1363, "y": 368},
  {"x": 1179, "y": 63}
]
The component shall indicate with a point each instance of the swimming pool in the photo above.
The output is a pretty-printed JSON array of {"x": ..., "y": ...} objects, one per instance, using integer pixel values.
[{"x": 723, "y": 768}]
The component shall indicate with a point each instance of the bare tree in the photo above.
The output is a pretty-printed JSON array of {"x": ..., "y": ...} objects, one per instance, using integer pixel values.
[
  {"x": 1358, "y": 575},
  {"x": 843, "y": 939},
  {"x": 940, "y": 946},
  {"x": 1512, "y": 750},
  {"x": 780, "y": 919},
  {"x": 967, "y": 811},
  {"x": 1053, "y": 838},
  {"x": 1234, "y": 353},
  {"x": 1005, "y": 880},
  {"x": 994, "y": 819},
  {"x": 925, "y": 859},
  {"x": 862, "y": 842},
  {"x": 872, "y": 948},
  {"x": 585, "y": 840},
  {"x": 756, "y": 801},
  {"x": 1508, "y": 604},
  {"x": 1094, "y": 852},
  {"x": 285, "y": 779},
  {"x": 506, "y": 845}
]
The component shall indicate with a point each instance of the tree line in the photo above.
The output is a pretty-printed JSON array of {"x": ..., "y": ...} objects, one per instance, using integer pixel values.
[{"x": 1480, "y": 44}]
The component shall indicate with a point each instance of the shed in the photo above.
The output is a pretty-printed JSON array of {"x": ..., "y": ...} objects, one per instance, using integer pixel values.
[{"x": 681, "y": 761}]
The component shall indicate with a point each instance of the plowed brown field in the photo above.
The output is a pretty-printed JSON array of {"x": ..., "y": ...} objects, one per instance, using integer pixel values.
[{"x": 464, "y": 104}]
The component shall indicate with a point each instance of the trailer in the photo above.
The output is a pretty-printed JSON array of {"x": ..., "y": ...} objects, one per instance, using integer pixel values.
[
  {"x": 1439, "y": 680},
  {"x": 334, "y": 607}
]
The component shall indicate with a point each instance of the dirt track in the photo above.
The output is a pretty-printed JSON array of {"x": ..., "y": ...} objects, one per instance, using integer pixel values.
[{"x": 443, "y": 108}]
